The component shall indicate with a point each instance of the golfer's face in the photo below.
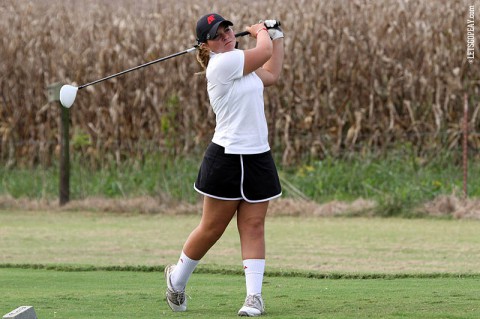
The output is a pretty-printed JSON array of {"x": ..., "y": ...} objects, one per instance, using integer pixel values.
[{"x": 223, "y": 41}]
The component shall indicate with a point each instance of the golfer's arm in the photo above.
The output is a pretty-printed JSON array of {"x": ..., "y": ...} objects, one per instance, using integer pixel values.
[
  {"x": 269, "y": 73},
  {"x": 258, "y": 56}
]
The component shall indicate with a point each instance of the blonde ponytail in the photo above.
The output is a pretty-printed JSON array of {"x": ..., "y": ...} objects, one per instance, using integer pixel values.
[{"x": 203, "y": 57}]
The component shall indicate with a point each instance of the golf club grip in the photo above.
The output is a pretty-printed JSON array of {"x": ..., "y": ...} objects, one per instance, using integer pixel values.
[{"x": 244, "y": 33}]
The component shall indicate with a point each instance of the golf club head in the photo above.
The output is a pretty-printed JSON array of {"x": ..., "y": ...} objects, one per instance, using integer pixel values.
[{"x": 67, "y": 95}]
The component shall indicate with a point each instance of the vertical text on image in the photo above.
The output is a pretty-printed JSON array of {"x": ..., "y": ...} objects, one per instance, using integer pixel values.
[{"x": 471, "y": 34}]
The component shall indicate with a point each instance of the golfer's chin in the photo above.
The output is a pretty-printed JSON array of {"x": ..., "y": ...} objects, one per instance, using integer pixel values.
[{"x": 229, "y": 46}]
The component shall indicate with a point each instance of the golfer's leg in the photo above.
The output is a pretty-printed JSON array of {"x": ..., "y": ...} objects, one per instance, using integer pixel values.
[
  {"x": 215, "y": 219},
  {"x": 216, "y": 216},
  {"x": 251, "y": 223}
]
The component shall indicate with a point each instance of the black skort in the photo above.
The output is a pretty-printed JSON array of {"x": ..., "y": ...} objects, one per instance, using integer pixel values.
[{"x": 251, "y": 177}]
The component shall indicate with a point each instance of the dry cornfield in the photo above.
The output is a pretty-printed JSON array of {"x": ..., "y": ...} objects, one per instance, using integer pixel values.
[{"x": 359, "y": 76}]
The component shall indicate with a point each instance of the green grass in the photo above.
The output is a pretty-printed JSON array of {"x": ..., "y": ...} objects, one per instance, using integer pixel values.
[
  {"x": 113, "y": 294},
  {"x": 317, "y": 245},
  {"x": 396, "y": 181},
  {"x": 98, "y": 265},
  {"x": 156, "y": 176}
]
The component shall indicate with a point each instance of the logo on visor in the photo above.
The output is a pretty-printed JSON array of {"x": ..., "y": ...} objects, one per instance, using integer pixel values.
[{"x": 210, "y": 19}]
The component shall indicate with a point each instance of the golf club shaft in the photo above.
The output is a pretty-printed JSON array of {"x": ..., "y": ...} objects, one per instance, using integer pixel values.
[
  {"x": 241, "y": 34},
  {"x": 138, "y": 67}
]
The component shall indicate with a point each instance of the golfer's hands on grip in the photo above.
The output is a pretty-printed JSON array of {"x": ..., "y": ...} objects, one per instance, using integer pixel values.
[
  {"x": 274, "y": 31},
  {"x": 255, "y": 29}
]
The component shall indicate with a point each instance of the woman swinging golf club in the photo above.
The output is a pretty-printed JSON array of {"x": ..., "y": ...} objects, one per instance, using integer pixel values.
[{"x": 237, "y": 174}]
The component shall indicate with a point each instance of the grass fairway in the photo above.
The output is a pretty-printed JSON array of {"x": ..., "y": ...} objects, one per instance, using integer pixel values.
[
  {"x": 416, "y": 268},
  {"x": 319, "y": 245},
  {"x": 126, "y": 294}
]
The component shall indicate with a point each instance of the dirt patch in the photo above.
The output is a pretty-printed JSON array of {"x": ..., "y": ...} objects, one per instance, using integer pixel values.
[
  {"x": 442, "y": 206},
  {"x": 453, "y": 206},
  {"x": 152, "y": 205},
  {"x": 296, "y": 207},
  {"x": 142, "y": 205}
]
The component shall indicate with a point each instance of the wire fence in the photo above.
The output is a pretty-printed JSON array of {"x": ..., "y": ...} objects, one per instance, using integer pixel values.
[{"x": 49, "y": 149}]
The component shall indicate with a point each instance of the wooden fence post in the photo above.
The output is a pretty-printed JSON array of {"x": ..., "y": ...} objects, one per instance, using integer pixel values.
[
  {"x": 465, "y": 146},
  {"x": 64, "y": 183}
]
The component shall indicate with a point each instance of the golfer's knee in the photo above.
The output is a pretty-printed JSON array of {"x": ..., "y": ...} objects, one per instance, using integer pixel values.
[{"x": 252, "y": 228}]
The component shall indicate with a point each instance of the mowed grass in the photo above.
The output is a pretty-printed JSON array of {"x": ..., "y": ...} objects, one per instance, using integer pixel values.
[
  {"x": 319, "y": 245},
  {"x": 79, "y": 265},
  {"x": 125, "y": 294}
]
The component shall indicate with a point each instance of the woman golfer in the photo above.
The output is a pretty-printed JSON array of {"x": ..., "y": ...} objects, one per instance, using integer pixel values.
[{"x": 237, "y": 174}]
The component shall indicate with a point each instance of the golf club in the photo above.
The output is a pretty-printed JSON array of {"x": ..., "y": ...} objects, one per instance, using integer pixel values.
[{"x": 68, "y": 93}]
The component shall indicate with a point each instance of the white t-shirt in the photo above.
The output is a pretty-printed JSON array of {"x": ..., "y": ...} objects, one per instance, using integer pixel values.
[{"x": 237, "y": 102}]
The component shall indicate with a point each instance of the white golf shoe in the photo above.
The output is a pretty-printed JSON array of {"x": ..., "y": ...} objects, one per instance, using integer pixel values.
[
  {"x": 175, "y": 299},
  {"x": 252, "y": 307}
]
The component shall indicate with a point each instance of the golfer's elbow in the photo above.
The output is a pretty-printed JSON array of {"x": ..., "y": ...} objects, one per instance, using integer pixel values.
[
  {"x": 271, "y": 79},
  {"x": 270, "y": 74}
]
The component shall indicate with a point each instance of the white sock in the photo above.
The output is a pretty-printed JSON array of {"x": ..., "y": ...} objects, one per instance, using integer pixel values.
[
  {"x": 182, "y": 272},
  {"x": 254, "y": 269}
]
